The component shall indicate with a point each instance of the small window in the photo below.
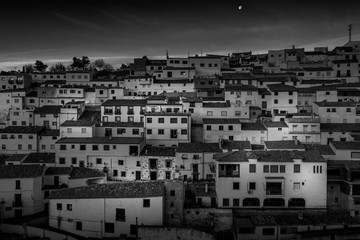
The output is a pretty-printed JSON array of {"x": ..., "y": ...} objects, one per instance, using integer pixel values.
[
  {"x": 296, "y": 168},
  {"x": 172, "y": 193},
  {"x": 173, "y": 120},
  {"x": 266, "y": 168},
  {"x": 59, "y": 206},
  {"x": 69, "y": 207},
  {"x": 146, "y": 203},
  {"x": 109, "y": 227},
  {"x": 252, "y": 168},
  {"x": 161, "y": 120},
  {"x": 120, "y": 215},
  {"x": 236, "y": 185}
]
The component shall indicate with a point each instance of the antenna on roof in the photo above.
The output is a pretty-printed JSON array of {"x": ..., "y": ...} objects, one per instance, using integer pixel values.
[{"x": 350, "y": 27}]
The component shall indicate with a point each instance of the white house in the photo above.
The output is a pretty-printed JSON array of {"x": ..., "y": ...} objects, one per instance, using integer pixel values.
[
  {"x": 287, "y": 179},
  {"x": 215, "y": 129},
  {"x": 116, "y": 209},
  {"x": 21, "y": 190}
]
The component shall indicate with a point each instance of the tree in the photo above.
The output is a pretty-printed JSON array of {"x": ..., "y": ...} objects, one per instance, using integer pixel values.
[
  {"x": 108, "y": 66},
  {"x": 58, "y": 67},
  {"x": 124, "y": 66},
  {"x": 28, "y": 68},
  {"x": 40, "y": 66},
  {"x": 99, "y": 63},
  {"x": 80, "y": 64}
]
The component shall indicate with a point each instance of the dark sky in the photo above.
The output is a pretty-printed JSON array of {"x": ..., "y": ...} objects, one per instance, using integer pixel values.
[{"x": 118, "y": 30}]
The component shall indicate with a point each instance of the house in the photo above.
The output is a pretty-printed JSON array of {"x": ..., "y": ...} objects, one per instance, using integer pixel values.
[
  {"x": 14, "y": 81},
  {"x": 344, "y": 132},
  {"x": 103, "y": 153},
  {"x": 21, "y": 190},
  {"x": 287, "y": 179},
  {"x": 276, "y": 131},
  {"x": 116, "y": 209},
  {"x": 304, "y": 127},
  {"x": 283, "y": 98},
  {"x": 337, "y": 112},
  {"x": 157, "y": 163},
  {"x": 47, "y": 140},
  {"x": 215, "y": 129},
  {"x": 345, "y": 150},
  {"x": 20, "y": 139},
  {"x": 255, "y": 132},
  {"x": 195, "y": 160},
  {"x": 123, "y": 110},
  {"x": 78, "y": 129},
  {"x": 167, "y": 128},
  {"x": 208, "y": 86},
  {"x": 228, "y": 146},
  {"x": 47, "y": 116},
  {"x": 119, "y": 129}
]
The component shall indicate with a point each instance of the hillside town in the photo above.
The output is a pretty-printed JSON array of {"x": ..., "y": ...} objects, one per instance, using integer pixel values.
[{"x": 238, "y": 146}]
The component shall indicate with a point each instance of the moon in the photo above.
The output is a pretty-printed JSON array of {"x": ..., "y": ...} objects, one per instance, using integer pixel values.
[{"x": 240, "y": 7}]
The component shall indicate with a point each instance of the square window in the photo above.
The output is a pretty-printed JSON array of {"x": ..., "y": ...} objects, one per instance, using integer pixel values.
[
  {"x": 149, "y": 131},
  {"x": 109, "y": 227},
  {"x": 183, "y": 131},
  {"x": 120, "y": 162},
  {"x": 252, "y": 186},
  {"x": 226, "y": 202},
  {"x": 274, "y": 168},
  {"x": 236, "y": 185},
  {"x": 208, "y": 127},
  {"x": 296, "y": 186},
  {"x": 221, "y": 128},
  {"x": 236, "y": 202},
  {"x": 223, "y": 113},
  {"x": 161, "y": 120},
  {"x": 149, "y": 120},
  {"x": 61, "y": 160},
  {"x": 99, "y": 161},
  {"x": 230, "y": 128},
  {"x": 173, "y": 120},
  {"x": 161, "y": 132},
  {"x": 209, "y": 113},
  {"x": 266, "y": 168},
  {"x": 172, "y": 193}
]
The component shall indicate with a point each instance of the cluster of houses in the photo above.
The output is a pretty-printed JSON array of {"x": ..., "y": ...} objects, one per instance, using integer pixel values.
[{"x": 264, "y": 137}]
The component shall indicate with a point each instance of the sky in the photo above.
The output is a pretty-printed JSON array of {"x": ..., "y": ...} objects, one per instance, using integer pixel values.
[{"x": 117, "y": 31}]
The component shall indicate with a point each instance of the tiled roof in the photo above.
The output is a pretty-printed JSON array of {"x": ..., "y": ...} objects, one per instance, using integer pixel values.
[
  {"x": 285, "y": 144},
  {"x": 336, "y": 104},
  {"x": 221, "y": 121},
  {"x": 346, "y": 145},
  {"x": 124, "y": 102},
  {"x": 48, "y": 109},
  {"x": 120, "y": 124},
  {"x": 169, "y": 81},
  {"x": 79, "y": 123},
  {"x": 264, "y": 91},
  {"x": 340, "y": 127},
  {"x": 21, "y": 171},
  {"x": 158, "y": 151},
  {"x": 239, "y": 145},
  {"x": 281, "y": 88},
  {"x": 232, "y": 156},
  {"x": 247, "y": 126},
  {"x": 320, "y": 81},
  {"x": 237, "y": 76},
  {"x": 102, "y": 140},
  {"x": 216, "y": 104},
  {"x": 112, "y": 190},
  {"x": 51, "y": 132},
  {"x": 82, "y": 172},
  {"x": 167, "y": 114},
  {"x": 242, "y": 88},
  {"x": 304, "y": 120},
  {"x": 58, "y": 171},
  {"x": 311, "y": 156},
  {"x": 317, "y": 69},
  {"x": 40, "y": 158},
  {"x": 275, "y": 156},
  {"x": 198, "y": 147},
  {"x": 213, "y": 99},
  {"x": 279, "y": 124},
  {"x": 322, "y": 149},
  {"x": 345, "y": 61},
  {"x": 22, "y": 129},
  {"x": 90, "y": 116},
  {"x": 349, "y": 164},
  {"x": 349, "y": 92},
  {"x": 15, "y": 157}
]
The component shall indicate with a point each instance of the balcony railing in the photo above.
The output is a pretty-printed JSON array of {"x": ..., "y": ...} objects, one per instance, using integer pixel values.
[
  {"x": 11, "y": 81},
  {"x": 17, "y": 204},
  {"x": 229, "y": 174},
  {"x": 153, "y": 166},
  {"x": 117, "y": 112},
  {"x": 274, "y": 192}
]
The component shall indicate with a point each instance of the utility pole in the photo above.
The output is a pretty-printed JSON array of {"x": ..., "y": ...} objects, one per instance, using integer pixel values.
[{"x": 350, "y": 27}]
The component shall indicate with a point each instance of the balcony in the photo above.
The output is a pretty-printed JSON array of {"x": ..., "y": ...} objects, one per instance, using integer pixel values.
[
  {"x": 270, "y": 192},
  {"x": 11, "y": 81},
  {"x": 130, "y": 112},
  {"x": 117, "y": 112},
  {"x": 229, "y": 174},
  {"x": 17, "y": 204}
]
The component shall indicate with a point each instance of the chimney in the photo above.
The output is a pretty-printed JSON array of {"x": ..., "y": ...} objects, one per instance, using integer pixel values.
[
  {"x": 293, "y": 46},
  {"x": 206, "y": 187},
  {"x": 296, "y": 142}
]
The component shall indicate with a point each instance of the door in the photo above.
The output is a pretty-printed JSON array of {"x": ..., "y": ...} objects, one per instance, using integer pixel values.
[
  {"x": 108, "y": 132},
  {"x": 56, "y": 181},
  {"x": 138, "y": 175},
  {"x": 213, "y": 202},
  {"x": 18, "y": 201}
]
